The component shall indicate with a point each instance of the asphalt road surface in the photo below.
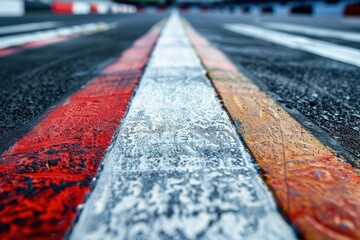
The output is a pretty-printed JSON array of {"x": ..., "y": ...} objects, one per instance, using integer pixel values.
[
  {"x": 321, "y": 93},
  {"x": 178, "y": 165},
  {"x": 36, "y": 79}
]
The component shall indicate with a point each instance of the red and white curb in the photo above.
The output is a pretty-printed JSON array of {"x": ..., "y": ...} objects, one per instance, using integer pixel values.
[
  {"x": 82, "y": 7},
  {"x": 320, "y": 9},
  {"x": 177, "y": 168},
  {"x": 100, "y": 8},
  {"x": 316, "y": 9},
  {"x": 12, "y": 8}
]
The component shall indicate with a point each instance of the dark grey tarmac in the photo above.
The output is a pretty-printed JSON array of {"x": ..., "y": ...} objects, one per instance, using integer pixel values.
[
  {"x": 322, "y": 94},
  {"x": 37, "y": 79}
]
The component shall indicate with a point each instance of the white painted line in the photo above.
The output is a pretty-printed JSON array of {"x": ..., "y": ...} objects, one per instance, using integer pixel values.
[
  {"x": 80, "y": 7},
  {"x": 19, "y": 39},
  {"x": 28, "y": 27},
  {"x": 178, "y": 169},
  {"x": 316, "y": 31},
  {"x": 12, "y": 8},
  {"x": 322, "y": 48},
  {"x": 102, "y": 8}
]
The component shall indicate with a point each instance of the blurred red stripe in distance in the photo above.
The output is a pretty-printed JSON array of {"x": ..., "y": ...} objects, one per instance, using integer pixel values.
[{"x": 352, "y": 10}]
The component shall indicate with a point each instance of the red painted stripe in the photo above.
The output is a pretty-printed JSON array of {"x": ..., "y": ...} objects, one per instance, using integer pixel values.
[
  {"x": 45, "y": 42},
  {"x": 140, "y": 9},
  {"x": 36, "y": 44},
  {"x": 46, "y": 174},
  {"x": 8, "y": 51},
  {"x": 94, "y": 8},
  {"x": 352, "y": 10},
  {"x": 162, "y": 9},
  {"x": 62, "y": 7}
]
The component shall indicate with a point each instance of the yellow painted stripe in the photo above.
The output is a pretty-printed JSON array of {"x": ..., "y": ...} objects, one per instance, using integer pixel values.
[{"x": 317, "y": 191}]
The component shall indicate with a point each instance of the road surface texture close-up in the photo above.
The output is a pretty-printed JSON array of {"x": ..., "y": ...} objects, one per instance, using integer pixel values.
[
  {"x": 314, "y": 81},
  {"x": 179, "y": 121}
]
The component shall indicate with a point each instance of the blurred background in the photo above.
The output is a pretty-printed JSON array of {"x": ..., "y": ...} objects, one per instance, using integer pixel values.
[{"x": 325, "y": 8}]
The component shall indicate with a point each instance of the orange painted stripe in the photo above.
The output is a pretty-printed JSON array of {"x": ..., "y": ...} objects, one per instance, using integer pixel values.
[{"x": 318, "y": 191}]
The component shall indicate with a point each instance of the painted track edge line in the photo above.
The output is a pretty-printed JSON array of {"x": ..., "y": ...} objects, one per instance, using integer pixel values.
[
  {"x": 179, "y": 137},
  {"x": 310, "y": 183},
  {"x": 60, "y": 156},
  {"x": 157, "y": 28}
]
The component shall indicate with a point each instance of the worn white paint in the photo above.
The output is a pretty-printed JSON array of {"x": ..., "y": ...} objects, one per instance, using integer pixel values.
[
  {"x": 79, "y": 7},
  {"x": 316, "y": 31},
  {"x": 102, "y": 8},
  {"x": 19, "y": 39},
  {"x": 322, "y": 48},
  {"x": 26, "y": 27},
  {"x": 177, "y": 168},
  {"x": 11, "y": 8}
]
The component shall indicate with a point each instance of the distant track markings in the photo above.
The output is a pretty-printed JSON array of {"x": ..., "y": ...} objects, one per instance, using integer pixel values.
[
  {"x": 315, "y": 31},
  {"x": 17, "y": 43},
  {"x": 318, "y": 47}
]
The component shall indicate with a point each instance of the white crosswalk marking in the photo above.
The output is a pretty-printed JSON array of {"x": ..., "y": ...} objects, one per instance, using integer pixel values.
[
  {"x": 322, "y": 48},
  {"x": 178, "y": 169}
]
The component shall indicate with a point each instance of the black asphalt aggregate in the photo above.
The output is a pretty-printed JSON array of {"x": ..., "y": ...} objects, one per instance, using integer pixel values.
[
  {"x": 322, "y": 94},
  {"x": 35, "y": 80}
]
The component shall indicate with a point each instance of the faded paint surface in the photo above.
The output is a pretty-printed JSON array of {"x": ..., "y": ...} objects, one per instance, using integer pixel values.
[
  {"x": 319, "y": 47},
  {"x": 178, "y": 169},
  {"x": 14, "y": 44},
  {"x": 317, "y": 190},
  {"x": 46, "y": 174}
]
